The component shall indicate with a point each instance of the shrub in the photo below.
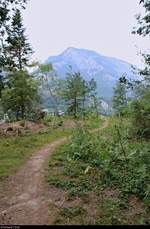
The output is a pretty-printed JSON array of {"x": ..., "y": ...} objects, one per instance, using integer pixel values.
[
  {"x": 84, "y": 146},
  {"x": 140, "y": 115}
]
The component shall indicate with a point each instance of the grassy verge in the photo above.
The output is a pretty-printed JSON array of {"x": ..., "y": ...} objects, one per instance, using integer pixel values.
[
  {"x": 99, "y": 181},
  {"x": 15, "y": 150}
]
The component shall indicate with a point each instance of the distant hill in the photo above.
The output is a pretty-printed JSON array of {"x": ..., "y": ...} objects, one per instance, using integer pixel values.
[{"x": 105, "y": 70}]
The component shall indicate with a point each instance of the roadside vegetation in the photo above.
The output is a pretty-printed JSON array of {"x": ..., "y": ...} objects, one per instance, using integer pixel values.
[
  {"x": 16, "y": 148},
  {"x": 105, "y": 178}
]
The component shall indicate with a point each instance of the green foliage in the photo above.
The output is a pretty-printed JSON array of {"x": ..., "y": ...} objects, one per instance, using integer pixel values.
[
  {"x": 15, "y": 150},
  {"x": 127, "y": 165},
  {"x": 97, "y": 162},
  {"x": 119, "y": 98},
  {"x": 17, "y": 50},
  {"x": 48, "y": 119},
  {"x": 73, "y": 93},
  {"x": 53, "y": 121},
  {"x": 50, "y": 84},
  {"x": 72, "y": 212},
  {"x": 140, "y": 108},
  {"x": 20, "y": 96},
  {"x": 92, "y": 120},
  {"x": 18, "y": 90},
  {"x": 77, "y": 93},
  {"x": 84, "y": 147},
  {"x": 111, "y": 212},
  {"x": 143, "y": 27},
  {"x": 140, "y": 115},
  {"x": 131, "y": 177}
]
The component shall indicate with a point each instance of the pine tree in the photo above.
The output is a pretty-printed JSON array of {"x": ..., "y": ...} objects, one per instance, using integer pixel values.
[
  {"x": 18, "y": 90},
  {"x": 50, "y": 82},
  {"x": 18, "y": 49},
  {"x": 78, "y": 93},
  {"x": 140, "y": 107},
  {"x": 21, "y": 96},
  {"x": 74, "y": 93},
  {"x": 143, "y": 29},
  {"x": 119, "y": 98},
  {"x": 7, "y": 8}
]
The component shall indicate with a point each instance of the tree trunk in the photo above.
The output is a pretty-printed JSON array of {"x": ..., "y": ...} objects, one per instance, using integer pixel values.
[{"x": 22, "y": 110}]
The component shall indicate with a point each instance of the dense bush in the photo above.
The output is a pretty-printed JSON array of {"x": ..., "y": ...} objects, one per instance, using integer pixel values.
[
  {"x": 84, "y": 146},
  {"x": 123, "y": 164},
  {"x": 141, "y": 118},
  {"x": 131, "y": 177}
]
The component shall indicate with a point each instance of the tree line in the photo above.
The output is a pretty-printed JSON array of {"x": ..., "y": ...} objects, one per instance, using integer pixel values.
[{"x": 137, "y": 107}]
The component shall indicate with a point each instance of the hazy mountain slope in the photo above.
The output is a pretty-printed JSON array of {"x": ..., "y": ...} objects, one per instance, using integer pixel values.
[{"x": 105, "y": 70}]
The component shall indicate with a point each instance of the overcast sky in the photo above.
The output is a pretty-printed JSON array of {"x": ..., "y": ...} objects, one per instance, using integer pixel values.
[{"x": 101, "y": 25}]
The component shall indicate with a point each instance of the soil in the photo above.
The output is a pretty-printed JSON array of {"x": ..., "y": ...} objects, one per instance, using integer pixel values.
[{"x": 15, "y": 128}]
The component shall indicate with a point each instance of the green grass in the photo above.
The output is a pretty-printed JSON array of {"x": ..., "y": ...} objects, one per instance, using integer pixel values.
[
  {"x": 93, "y": 121},
  {"x": 15, "y": 150},
  {"x": 72, "y": 167},
  {"x": 72, "y": 212},
  {"x": 71, "y": 215}
]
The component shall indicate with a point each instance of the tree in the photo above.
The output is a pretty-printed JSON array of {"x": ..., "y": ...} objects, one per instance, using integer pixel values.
[
  {"x": 7, "y": 7},
  {"x": 50, "y": 82},
  {"x": 74, "y": 92},
  {"x": 119, "y": 98},
  {"x": 1, "y": 84},
  {"x": 21, "y": 96},
  {"x": 95, "y": 101},
  {"x": 78, "y": 93},
  {"x": 140, "y": 107},
  {"x": 18, "y": 89},
  {"x": 143, "y": 29},
  {"x": 18, "y": 50}
]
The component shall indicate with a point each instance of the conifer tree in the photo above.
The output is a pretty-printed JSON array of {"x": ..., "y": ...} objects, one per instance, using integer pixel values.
[
  {"x": 18, "y": 90},
  {"x": 119, "y": 98},
  {"x": 20, "y": 97},
  {"x": 78, "y": 93},
  {"x": 140, "y": 107},
  {"x": 18, "y": 49}
]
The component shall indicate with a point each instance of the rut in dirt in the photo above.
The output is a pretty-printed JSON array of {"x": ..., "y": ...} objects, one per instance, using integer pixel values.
[{"x": 27, "y": 197}]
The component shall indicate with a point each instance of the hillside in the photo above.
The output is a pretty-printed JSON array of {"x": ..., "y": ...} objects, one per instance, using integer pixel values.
[{"x": 105, "y": 70}]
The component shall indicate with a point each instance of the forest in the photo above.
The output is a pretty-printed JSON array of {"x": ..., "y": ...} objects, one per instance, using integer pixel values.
[{"x": 72, "y": 164}]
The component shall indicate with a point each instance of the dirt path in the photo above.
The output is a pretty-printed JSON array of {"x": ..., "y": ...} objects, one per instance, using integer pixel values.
[{"x": 26, "y": 197}]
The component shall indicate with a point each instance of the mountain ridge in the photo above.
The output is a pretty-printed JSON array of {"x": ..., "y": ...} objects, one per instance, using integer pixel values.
[
  {"x": 105, "y": 70},
  {"x": 89, "y": 50}
]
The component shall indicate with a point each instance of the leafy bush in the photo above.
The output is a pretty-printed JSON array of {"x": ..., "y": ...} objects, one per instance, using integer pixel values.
[
  {"x": 121, "y": 163},
  {"x": 140, "y": 114},
  {"x": 84, "y": 146},
  {"x": 127, "y": 162},
  {"x": 132, "y": 177}
]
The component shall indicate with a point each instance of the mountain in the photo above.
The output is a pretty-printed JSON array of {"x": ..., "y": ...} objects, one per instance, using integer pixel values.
[{"x": 105, "y": 70}]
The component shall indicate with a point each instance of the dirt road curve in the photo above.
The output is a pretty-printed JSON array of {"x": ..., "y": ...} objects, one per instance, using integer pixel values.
[{"x": 26, "y": 197}]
